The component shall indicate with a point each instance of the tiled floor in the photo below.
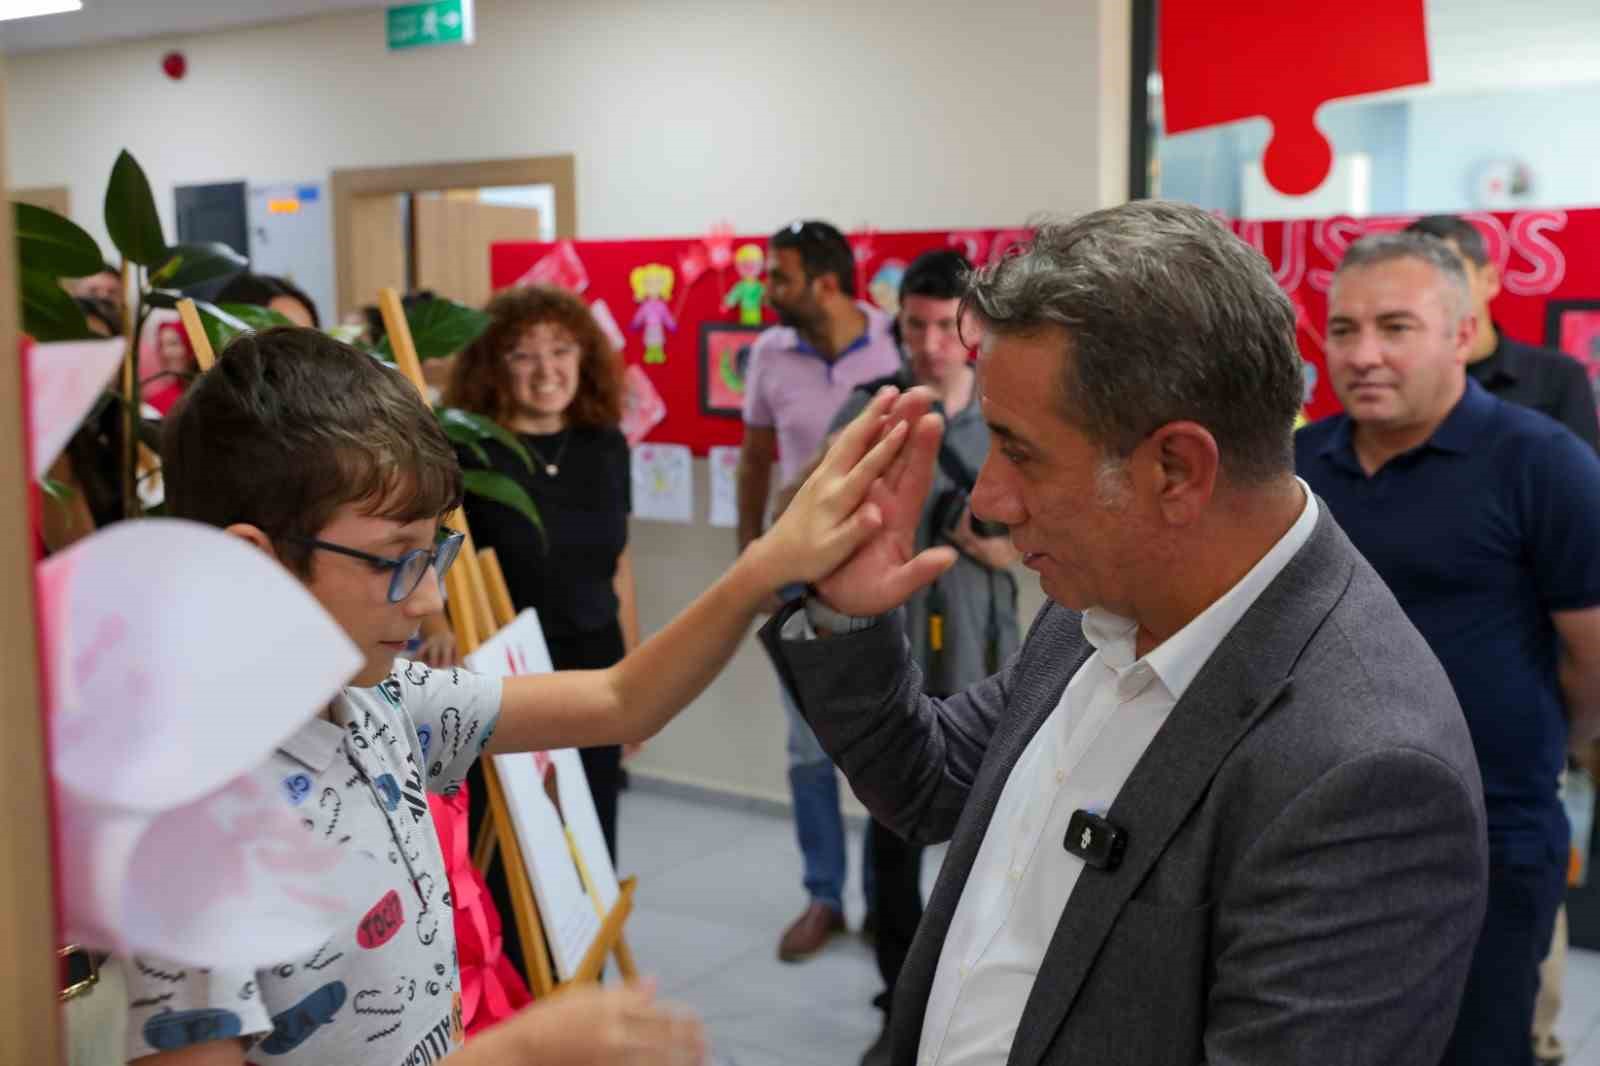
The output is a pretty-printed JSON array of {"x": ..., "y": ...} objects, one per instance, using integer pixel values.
[{"x": 718, "y": 884}]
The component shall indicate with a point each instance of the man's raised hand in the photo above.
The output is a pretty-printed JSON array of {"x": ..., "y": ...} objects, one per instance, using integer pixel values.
[{"x": 886, "y": 569}]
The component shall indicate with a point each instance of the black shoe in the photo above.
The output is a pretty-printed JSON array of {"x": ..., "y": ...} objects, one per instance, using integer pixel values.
[{"x": 878, "y": 1053}]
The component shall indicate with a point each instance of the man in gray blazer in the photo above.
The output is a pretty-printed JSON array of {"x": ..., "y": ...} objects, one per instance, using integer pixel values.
[{"x": 1222, "y": 806}]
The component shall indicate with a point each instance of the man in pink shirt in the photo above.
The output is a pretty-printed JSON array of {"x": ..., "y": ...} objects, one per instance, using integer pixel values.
[{"x": 800, "y": 373}]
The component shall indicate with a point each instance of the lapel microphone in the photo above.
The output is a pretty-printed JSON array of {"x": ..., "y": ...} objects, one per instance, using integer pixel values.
[{"x": 1096, "y": 841}]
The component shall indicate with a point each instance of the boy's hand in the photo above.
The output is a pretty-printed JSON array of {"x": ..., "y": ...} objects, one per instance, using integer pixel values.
[
  {"x": 832, "y": 515},
  {"x": 608, "y": 1025},
  {"x": 438, "y": 650},
  {"x": 886, "y": 569}
]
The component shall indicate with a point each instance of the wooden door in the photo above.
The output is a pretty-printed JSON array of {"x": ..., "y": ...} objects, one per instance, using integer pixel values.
[
  {"x": 378, "y": 244},
  {"x": 453, "y": 231}
]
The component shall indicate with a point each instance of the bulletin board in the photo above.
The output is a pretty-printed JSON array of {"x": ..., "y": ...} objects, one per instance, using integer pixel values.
[{"x": 703, "y": 327}]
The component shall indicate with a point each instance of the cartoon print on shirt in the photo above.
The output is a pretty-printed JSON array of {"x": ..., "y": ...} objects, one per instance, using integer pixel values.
[
  {"x": 418, "y": 673},
  {"x": 415, "y": 797},
  {"x": 161, "y": 975},
  {"x": 319, "y": 963},
  {"x": 373, "y": 1002},
  {"x": 385, "y": 756},
  {"x": 382, "y": 922},
  {"x": 389, "y": 789},
  {"x": 298, "y": 787},
  {"x": 331, "y": 795},
  {"x": 170, "y": 1030},
  {"x": 294, "y": 1027},
  {"x": 454, "y": 736},
  {"x": 389, "y": 689},
  {"x": 428, "y": 918}
]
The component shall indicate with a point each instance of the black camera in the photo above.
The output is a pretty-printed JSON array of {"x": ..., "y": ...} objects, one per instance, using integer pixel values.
[{"x": 947, "y": 515}]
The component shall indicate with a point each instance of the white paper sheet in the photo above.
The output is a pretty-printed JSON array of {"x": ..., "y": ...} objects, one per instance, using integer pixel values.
[
  {"x": 724, "y": 464},
  {"x": 570, "y": 915},
  {"x": 663, "y": 483},
  {"x": 168, "y": 691},
  {"x": 64, "y": 380}
]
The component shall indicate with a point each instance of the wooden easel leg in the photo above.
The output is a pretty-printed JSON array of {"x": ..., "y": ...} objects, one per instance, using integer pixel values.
[
  {"x": 535, "y": 953},
  {"x": 487, "y": 844},
  {"x": 624, "y": 957}
]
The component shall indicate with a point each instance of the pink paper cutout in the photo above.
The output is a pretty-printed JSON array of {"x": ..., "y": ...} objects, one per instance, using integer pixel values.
[
  {"x": 642, "y": 406},
  {"x": 64, "y": 380},
  {"x": 561, "y": 267}
]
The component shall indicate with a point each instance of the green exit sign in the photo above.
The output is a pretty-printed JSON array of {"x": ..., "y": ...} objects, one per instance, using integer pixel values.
[{"x": 437, "y": 22}]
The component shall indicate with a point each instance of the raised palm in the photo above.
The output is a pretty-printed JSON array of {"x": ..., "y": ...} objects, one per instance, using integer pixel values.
[{"x": 887, "y": 569}]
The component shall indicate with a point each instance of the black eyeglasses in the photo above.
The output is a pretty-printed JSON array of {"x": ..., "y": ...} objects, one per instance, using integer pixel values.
[{"x": 409, "y": 569}]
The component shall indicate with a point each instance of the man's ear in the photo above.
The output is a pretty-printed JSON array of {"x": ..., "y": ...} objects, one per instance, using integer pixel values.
[
  {"x": 1490, "y": 272},
  {"x": 1187, "y": 462},
  {"x": 247, "y": 532}
]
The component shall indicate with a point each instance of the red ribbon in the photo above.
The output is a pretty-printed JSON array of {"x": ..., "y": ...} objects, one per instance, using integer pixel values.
[{"x": 491, "y": 988}]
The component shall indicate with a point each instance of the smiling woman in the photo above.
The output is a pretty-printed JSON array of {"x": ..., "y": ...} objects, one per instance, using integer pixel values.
[{"x": 546, "y": 372}]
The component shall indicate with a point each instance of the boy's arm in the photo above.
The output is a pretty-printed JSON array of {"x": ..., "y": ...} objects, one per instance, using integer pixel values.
[
  {"x": 634, "y": 699},
  {"x": 212, "y": 1053}
]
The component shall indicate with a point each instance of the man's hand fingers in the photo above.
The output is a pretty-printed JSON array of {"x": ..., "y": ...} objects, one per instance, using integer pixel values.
[{"x": 920, "y": 571}]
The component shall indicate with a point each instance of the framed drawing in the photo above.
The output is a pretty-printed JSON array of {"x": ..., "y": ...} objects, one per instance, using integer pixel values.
[
  {"x": 724, "y": 359},
  {"x": 1573, "y": 326}
]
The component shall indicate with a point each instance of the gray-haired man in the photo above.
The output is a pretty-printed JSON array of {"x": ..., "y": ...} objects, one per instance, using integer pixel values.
[{"x": 1222, "y": 805}]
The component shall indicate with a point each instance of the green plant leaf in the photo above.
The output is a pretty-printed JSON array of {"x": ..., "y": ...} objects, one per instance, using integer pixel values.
[
  {"x": 58, "y": 491},
  {"x": 48, "y": 312},
  {"x": 224, "y": 322},
  {"x": 440, "y": 328},
  {"x": 191, "y": 264},
  {"x": 131, "y": 216},
  {"x": 476, "y": 427},
  {"x": 255, "y": 316},
  {"x": 465, "y": 437},
  {"x": 501, "y": 489},
  {"x": 53, "y": 245}
]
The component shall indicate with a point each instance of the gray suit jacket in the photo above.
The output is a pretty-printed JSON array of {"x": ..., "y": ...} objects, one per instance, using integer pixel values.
[{"x": 1307, "y": 864}]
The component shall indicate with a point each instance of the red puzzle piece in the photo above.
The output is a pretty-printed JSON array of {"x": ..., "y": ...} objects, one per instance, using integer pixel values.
[{"x": 1221, "y": 62}]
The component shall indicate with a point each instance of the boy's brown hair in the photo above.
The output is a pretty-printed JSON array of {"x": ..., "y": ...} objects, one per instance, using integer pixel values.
[
  {"x": 289, "y": 426},
  {"x": 481, "y": 383}
]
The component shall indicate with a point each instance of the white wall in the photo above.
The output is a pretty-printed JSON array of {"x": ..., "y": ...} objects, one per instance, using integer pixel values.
[{"x": 899, "y": 114}]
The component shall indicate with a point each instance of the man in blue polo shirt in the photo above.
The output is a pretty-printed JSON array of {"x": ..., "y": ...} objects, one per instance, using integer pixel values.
[{"x": 1484, "y": 519}]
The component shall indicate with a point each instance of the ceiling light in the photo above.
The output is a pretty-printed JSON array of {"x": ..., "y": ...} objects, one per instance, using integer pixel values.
[{"x": 27, "y": 9}]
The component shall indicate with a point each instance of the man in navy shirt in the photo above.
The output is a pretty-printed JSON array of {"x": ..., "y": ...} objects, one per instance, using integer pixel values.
[
  {"x": 1557, "y": 385},
  {"x": 1484, "y": 519}
]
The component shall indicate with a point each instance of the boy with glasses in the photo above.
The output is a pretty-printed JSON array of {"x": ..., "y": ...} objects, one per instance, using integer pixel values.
[{"x": 331, "y": 463}]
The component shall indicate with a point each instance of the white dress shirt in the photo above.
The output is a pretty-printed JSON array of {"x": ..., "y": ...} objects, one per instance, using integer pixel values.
[{"x": 1080, "y": 758}]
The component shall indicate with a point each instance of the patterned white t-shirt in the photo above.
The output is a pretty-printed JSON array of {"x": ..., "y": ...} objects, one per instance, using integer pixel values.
[{"x": 386, "y": 990}]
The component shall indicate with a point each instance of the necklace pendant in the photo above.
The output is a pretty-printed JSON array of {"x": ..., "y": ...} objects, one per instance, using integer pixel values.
[{"x": 552, "y": 469}]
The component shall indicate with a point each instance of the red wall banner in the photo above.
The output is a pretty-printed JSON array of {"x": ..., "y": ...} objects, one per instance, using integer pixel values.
[
  {"x": 1549, "y": 268},
  {"x": 690, "y": 339}
]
